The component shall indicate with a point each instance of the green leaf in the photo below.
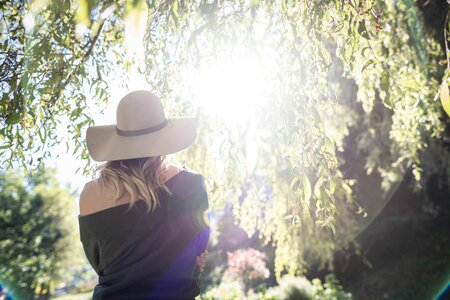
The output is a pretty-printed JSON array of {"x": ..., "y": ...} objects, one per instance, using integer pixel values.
[
  {"x": 287, "y": 217},
  {"x": 363, "y": 31},
  {"x": 83, "y": 12},
  {"x": 330, "y": 225},
  {"x": 42, "y": 135},
  {"x": 138, "y": 4},
  {"x": 363, "y": 51},
  {"x": 294, "y": 183},
  {"x": 329, "y": 146},
  {"x": 367, "y": 64},
  {"x": 410, "y": 84},
  {"x": 306, "y": 186},
  {"x": 332, "y": 186},
  {"x": 254, "y": 3},
  {"x": 75, "y": 113},
  {"x": 385, "y": 82},
  {"x": 13, "y": 118},
  {"x": 445, "y": 99},
  {"x": 317, "y": 187}
]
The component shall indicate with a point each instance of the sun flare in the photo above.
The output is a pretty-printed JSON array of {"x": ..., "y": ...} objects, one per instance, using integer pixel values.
[{"x": 232, "y": 88}]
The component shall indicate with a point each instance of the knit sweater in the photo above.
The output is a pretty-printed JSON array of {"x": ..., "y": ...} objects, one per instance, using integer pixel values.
[{"x": 141, "y": 255}]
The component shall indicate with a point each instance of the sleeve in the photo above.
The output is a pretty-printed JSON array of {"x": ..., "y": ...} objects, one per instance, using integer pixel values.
[
  {"x": 92, "y": 251},
  {"x": 190, "y": 217},
  {"x": 201, "y": 216},
  {"x": 202, "y": 238}
]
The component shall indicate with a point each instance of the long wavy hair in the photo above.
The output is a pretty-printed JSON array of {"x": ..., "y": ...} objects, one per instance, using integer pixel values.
[{"x": 139, "y": 178}]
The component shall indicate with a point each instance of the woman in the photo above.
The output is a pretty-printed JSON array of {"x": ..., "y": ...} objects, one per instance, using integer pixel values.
[{"x": 142, "y": 221}]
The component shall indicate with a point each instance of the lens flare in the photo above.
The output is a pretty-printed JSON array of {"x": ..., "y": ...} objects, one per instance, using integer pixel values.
[{"x": 206, "y": 219}]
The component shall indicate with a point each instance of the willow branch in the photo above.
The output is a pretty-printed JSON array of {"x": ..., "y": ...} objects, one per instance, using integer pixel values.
[
  {"x": 446, "y": 40},
  {"x": 85, "y": 57}
]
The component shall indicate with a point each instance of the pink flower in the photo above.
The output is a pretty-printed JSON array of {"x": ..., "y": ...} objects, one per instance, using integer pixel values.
[{"x": 247, "y": 264}]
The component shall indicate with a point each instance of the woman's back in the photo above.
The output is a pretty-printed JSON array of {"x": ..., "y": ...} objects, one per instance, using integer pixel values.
[{"x": 149, "y": 255}]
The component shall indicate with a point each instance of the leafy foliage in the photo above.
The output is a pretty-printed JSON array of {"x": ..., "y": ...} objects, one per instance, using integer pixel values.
[
  {"x": 297, "y": 189},
  {"x": 37, "y": 234},
  {"x": 289, "y": 288},
  {"x": 333, "y": 66},
  {"x": 301, "y": 288},
  {"x": 47, "y": 59}
]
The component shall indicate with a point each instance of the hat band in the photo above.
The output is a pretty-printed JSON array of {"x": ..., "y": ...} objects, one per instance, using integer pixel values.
[{"x": 142, "y": 131}]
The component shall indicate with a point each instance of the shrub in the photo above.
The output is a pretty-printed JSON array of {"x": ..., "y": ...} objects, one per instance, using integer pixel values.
[
  {"x": 247, "y": 266},
  {"x": 226, "y": 290},
  {"x": 300, "y": 288}
]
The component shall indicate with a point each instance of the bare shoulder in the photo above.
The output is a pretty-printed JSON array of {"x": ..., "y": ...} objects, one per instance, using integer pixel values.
[
  {"x": 88, "y": 197},
  {"x": 89, "y": 188}
]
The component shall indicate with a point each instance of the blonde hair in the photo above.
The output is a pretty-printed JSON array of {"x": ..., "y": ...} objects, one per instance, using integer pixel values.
[{"x": 138, "y": 177}]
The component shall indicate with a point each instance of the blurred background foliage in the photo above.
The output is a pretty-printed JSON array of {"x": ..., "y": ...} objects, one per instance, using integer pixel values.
[
  {"x": 356, "y": 116},
  {"x": 38, "y": 232}
]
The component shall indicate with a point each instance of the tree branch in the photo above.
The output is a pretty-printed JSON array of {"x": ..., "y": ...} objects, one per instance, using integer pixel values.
[
  {"x": 446, "y": 40},
  {"x": 85, "y": 57}
]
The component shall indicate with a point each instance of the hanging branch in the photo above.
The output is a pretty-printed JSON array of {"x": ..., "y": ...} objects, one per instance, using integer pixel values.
[
  {"x": 446, "y": 40},
  {"x": 85, "y": 57}
]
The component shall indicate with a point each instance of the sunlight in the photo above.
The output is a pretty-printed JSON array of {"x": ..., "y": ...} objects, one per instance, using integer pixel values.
[
  {"x": 235, "y": 90},
  {"x": 232, "y": 88}
]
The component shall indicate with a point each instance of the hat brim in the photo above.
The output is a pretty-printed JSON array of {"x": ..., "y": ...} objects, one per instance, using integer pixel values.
[{"x": 104, "y": 144}]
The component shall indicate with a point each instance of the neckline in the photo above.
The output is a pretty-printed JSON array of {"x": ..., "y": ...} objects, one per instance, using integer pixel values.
[{"x": 99, "y": 212}]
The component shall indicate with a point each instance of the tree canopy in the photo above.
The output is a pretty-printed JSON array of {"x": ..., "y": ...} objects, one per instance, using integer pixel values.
[
  {"x": 37, "y": 237},
  {"x": 339, "y": 66},
  {"x": 327, "y": 70},
  {"x": 49, "y": 51}
]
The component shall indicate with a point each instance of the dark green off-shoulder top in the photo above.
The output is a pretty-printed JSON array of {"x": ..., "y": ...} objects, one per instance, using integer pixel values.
[{"x": 140, "y": 255}]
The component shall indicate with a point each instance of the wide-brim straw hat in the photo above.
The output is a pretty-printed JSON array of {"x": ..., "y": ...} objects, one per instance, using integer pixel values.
[{"x": 141, "y": 130}]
